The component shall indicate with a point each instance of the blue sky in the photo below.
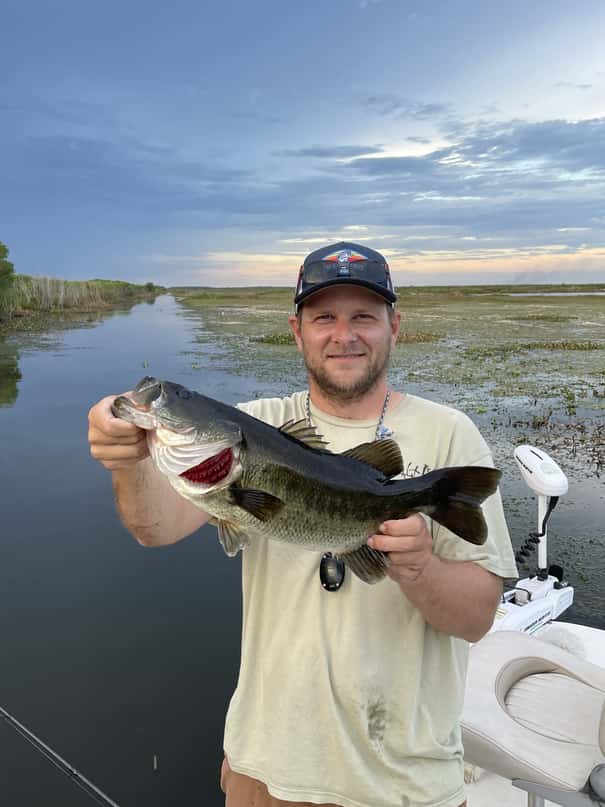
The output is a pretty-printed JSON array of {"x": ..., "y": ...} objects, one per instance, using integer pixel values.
[{"x": 216, "y": 143}]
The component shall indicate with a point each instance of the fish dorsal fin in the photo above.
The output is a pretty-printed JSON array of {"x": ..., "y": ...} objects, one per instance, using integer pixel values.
[
  {"x": 301, "y": 430},
  {"x": 384, "y": 455},
  {"x": 259, "y": 503},
  {"x": 370, "y": 565}
]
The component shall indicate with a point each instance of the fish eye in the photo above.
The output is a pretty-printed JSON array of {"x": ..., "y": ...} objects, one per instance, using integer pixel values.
[{"x": 183, "y": 393}]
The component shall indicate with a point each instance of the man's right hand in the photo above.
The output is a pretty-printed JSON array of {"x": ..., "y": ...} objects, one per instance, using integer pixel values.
[{"x": 115, "y": 443}]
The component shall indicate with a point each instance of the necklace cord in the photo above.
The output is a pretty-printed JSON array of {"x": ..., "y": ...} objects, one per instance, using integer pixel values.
[{"x": 382, "y": 431}]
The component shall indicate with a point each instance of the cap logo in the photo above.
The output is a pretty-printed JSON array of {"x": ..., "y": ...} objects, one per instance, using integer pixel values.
[{"x": 344, "y": 257}]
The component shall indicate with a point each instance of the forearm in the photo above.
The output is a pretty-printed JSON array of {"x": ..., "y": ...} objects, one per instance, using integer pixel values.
[
  {"x": 150, "y": 508},
  {"x": 455, "y": 597}
]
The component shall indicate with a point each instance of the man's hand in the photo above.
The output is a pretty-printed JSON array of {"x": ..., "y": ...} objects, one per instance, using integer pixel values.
[
  {"x": 409, "y": 544},
  {"x": 115, "y": 443},
  {"x": 455, "y": 597}
]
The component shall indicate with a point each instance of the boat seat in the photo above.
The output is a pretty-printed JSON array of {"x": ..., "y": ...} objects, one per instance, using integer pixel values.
[{"x": 535, "y": 714}]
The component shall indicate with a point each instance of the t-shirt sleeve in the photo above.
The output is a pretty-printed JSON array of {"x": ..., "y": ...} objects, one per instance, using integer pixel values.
[{"x": 467, "y": 447}]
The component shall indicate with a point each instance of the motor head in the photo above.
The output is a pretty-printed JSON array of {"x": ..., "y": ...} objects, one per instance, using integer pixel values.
[{"x": 541, "y": 472}]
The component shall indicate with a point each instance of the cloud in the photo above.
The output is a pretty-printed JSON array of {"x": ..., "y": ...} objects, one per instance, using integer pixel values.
[
  {"x": 332, "y": 152},
  {"x": 392, "y": 106},
  {"x": 570, "y": 85},
  {"x": 556, "y": 144}
]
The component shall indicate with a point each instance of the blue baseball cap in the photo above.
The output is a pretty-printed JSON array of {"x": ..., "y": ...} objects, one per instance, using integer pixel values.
[{"x": 344, "y": 263}]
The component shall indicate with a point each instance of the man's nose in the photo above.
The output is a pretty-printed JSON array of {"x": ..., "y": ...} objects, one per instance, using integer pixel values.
[{"x": 344, "y": 331}]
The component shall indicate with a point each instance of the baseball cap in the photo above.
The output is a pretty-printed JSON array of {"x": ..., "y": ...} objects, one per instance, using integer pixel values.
[{"x": 342, "y": 263}]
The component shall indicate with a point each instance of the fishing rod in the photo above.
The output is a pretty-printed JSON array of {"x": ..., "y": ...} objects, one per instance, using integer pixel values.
[{"x": 77, "y": 778}]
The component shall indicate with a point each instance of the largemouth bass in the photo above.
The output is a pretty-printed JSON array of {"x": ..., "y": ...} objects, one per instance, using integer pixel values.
[{"x": 257, "y": 480}]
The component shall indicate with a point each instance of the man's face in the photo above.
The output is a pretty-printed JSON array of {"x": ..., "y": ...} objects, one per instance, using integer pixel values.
[{"x": 346, "y": 335}]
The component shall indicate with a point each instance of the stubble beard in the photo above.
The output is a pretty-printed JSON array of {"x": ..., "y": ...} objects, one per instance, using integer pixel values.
[{"x": 353, "y": 390}]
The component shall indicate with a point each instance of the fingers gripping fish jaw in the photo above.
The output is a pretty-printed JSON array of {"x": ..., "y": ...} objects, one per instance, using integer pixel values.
[{"x": 196, "y": 459}]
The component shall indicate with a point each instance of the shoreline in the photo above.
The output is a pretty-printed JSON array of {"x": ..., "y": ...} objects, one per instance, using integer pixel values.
[{"x": 30, "y": 320}]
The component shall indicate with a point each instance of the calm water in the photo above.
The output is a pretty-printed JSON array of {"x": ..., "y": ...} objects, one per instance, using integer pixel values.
[{"x": 113, "y": 653}]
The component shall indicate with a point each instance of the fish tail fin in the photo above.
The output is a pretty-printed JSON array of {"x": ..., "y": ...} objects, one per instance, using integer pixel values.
[{"x": 457, "y": 504}]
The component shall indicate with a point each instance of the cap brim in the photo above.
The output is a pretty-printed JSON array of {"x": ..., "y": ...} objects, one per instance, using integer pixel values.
[{"x": 381, "y": 291}]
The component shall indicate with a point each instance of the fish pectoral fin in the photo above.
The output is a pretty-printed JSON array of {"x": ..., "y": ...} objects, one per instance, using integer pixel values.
[
  {"x": 370, "y": 565},
  {"x": 231, "y": 537},
  {"x": 384, "y": 455},
  {"x": 302, "y": 431},
  {"x": 259, "y": 503}
]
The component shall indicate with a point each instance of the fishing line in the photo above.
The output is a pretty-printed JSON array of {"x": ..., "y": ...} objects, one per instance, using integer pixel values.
[{"x": 68, "y": 770}]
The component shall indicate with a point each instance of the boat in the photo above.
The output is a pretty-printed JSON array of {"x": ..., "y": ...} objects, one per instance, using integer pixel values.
[{"x": 533, "y": 723}]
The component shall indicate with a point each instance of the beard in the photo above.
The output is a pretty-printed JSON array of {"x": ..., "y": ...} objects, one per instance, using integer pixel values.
[{"x": 355, "y": 388}]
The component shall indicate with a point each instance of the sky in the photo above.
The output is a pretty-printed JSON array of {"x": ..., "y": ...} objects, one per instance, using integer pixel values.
[{"x": 217, "y": 143}]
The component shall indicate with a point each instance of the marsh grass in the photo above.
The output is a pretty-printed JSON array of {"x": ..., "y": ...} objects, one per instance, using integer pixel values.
[
  {"x": 246, "y": 296},
  {"x": 43, "y": 295},
  {"x": 543, "y": 318},
  {"x": 283, "y": 338},
  {"x": 482, "y": 352},
  {"x": 416, "y": 337}
]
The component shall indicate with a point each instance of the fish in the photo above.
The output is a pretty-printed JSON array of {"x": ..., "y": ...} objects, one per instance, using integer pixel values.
[{"x": 259, "y": 481}]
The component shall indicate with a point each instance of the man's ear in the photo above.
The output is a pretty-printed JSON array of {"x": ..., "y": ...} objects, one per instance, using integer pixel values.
[
  {"x": 395, "y": 326},
  {"x": 294, "y": 323}
]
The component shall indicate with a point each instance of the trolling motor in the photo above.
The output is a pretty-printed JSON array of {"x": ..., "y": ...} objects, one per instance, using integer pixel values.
[{"x": 543, "y": 595}]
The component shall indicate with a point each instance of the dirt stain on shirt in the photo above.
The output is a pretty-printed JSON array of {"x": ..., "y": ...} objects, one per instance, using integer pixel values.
[{"x": 376, "y": 714}]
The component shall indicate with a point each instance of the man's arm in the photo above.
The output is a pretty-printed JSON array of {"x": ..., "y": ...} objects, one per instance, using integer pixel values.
[
  {"x": 148, "y": 506},
  {"x": 455, "y": 597}
]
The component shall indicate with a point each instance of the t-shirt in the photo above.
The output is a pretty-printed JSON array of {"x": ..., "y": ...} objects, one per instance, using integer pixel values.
[{"x": 350, "y": 696}]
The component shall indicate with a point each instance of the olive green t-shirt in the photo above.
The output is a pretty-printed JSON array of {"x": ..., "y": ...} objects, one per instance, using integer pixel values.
[{"x": 350, "y": 696}]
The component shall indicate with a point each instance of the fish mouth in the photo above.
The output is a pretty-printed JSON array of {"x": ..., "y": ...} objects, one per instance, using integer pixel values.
[
  {"x": 199, "y": 466},
  {"x": 200, "y": 462}
]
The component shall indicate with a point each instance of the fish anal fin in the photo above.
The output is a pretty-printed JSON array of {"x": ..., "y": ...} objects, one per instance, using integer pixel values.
[
  {"x": 370, "y": 565},
  {"x": 384, "y": 455},
  {"x": 259, "y": 503},
  {"x": 231, "y": 537},
  {"x": 305, "y": 433}
]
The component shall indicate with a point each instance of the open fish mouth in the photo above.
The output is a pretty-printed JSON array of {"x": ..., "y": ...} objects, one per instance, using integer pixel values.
[
  {"x": 202, "y": 466},
  {"x": 175, "y": 446}
]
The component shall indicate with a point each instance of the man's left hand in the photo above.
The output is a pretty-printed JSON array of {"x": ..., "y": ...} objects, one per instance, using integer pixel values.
[{"x": 409, "y": 544}]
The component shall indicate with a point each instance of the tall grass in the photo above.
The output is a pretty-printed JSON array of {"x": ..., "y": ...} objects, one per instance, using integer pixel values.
[{"x": 51, "y": 294}]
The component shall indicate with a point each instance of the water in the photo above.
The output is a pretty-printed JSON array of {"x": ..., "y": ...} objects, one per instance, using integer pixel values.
[{"x": 115, "y": 654}]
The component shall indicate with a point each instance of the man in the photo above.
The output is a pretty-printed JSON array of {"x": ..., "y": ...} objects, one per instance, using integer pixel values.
[{"x": 348, "y": 694}]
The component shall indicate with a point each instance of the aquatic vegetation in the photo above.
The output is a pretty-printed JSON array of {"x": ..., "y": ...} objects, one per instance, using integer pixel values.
[
  {"x": 283, "y": 338},
  {"x": 411, "y": 337}
]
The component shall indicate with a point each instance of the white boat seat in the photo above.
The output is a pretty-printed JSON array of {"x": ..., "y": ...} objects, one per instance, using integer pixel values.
[{"x": 535, "y": 712}]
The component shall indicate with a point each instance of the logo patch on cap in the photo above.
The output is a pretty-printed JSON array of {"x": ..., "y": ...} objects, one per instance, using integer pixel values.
[{"x": 344, "y": 257}]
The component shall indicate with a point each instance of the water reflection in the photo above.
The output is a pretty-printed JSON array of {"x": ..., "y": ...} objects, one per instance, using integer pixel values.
[{"x": 10, "y": 375}]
